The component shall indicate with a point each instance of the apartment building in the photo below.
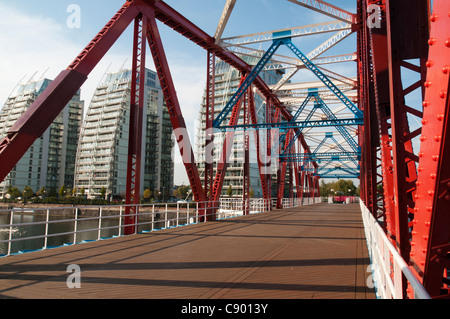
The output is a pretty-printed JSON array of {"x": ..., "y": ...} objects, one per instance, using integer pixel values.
[
  {"x": 101, "y": 164},
  {"x": 50, "y": 161}
]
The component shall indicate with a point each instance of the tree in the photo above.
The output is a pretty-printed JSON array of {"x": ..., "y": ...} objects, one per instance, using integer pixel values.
[
  {"x": 27, "y": 192},
  {"x": 342, "y": 186},
  {"x": 182, "y": 191},
  {"x": 251, "y": 194},
  {"x": 41, "y": 192},
  {"x": 103, "y": 193},
  {"x": 230, "y": 191},
  {"x": 62, "y": 191},
  {"x": 147, "y": 194},
  {"x": 82, "y": 191},
  {"x": 13, "y": 192}
]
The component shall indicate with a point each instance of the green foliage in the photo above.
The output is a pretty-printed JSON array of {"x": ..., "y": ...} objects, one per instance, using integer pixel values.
[
  {"x": 147, "y": 194},
  {"x": 62, "y": 191},
  {"x": 103, "y": 192},
  {"x": 14, "y": 192},
  {"x": 27, "y": 192},
  {"x": 41, "y": 192},
  {"x": 230, "y": 191},
  {"x": 182, "y": 191},
  {"x": 341, "y": 187}
]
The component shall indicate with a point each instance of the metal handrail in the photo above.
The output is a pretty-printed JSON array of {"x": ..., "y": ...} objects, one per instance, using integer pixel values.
[
  {"x": 225, "y": 208},
  {"x": 387, "y": 278}
]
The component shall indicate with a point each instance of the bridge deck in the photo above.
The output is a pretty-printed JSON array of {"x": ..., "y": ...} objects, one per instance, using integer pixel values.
[{"x": 315, "y": 251}]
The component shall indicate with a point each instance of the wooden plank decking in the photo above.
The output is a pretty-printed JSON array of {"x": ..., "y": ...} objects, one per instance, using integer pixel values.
[{"x": 316, "y": 251}]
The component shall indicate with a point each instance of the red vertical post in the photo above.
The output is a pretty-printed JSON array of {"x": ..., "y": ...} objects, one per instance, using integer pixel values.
[
  {"x": 226, "y": 152},
  {"x": 282, "y": 165},
  {"x": 430, "y": 250},
  {"x": 136, "y": 122},
  {"x": 246, "y": 149},
  {"x": 268, "y": 153},
  {"x": 209, "y": 117}
]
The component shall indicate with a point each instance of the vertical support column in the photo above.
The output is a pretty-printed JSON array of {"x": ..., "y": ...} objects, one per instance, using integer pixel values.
[
  {"x": 268, "y": 153},
  {"x": 209, "y": 117},
  {"x": 380, "y": 66},
  {"x": 225, "y": 155},
  {"x": 369, "y": 133},
  {"x": 430, "y": 251},
  {"x": 291, "y": 178},
  {"x": 246, "y": 177},
  {"x": 136, "y": 121},
  {"x": 282, "y": 165}
]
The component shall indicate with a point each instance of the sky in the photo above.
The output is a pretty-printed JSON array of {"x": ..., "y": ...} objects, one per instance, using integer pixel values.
[{"x": 39, "y": 39}]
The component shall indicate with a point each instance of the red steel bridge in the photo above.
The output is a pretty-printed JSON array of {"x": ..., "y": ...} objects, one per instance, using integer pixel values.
[{"x": 380, "y": 126}]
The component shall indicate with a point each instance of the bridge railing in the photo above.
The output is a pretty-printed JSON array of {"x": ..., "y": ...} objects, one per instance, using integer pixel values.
[
  {"x": 388, "y": 267},
  {"x": 30, "y": 229}
]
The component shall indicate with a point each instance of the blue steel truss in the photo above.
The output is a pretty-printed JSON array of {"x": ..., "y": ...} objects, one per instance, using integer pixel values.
[
  {"x": 279, "y": 39},
  {"x": 338, "y": 176},
  {"x": 330, "y": 156},
  {"x": 342, "y": 130},
  {"x": 293, "y": 125},
  {"x": 247, "y": 82},
  {"x": 332, "y": 120},
  {"x": 328, "y": 83}
]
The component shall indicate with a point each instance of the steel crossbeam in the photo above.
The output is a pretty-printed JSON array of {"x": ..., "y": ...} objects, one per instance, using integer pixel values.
[
  {"x": 226, "y": 13},
  {"x": 284, "y": 38},
  {"x": 307, "y": 30},
  {"x": 326, "y": 9},
  {"x": 294, "y": 124},
  {"x": 247, "y": 82},
  {"x": 352, "y": 107}
]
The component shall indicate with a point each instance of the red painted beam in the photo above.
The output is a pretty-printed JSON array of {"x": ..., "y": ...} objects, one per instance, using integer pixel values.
[
  {"x": 431, "y": 232},
  {"x": 173, "y": 105}
]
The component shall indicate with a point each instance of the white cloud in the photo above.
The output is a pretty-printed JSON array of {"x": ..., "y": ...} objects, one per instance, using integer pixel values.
[{"x": 35, "y": 46}]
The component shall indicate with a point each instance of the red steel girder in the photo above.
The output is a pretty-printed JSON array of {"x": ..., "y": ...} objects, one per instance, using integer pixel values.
[
  {"x": 404, "y": 165},
  {"x": 173, "y": 106},
  {"x": 246, "y": 177},
  {"x": 209, "y": 117},
  {"x": 137, "y": 98},
  {"x": 52, "y": 101},
  {"x": 226, "y": 151},
  {"x": 430, "y": 242},
  {"x": 282, "y": 172},
  {"x": 368, "y": 133}
]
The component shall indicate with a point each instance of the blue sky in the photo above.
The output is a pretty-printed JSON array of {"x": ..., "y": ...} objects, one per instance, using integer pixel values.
[{"x": 35, "y": 41}]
